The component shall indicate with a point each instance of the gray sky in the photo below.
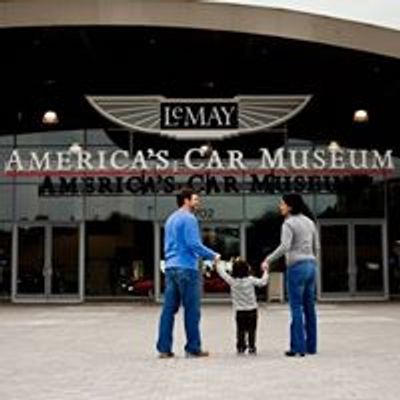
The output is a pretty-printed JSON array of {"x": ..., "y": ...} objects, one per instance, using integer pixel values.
[{"x": 376, "y": 12}]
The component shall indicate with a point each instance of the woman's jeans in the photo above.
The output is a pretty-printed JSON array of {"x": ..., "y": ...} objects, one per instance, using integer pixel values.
[
  {"x": 181, "y": 286},
  {"x": 301, "y": 283}
]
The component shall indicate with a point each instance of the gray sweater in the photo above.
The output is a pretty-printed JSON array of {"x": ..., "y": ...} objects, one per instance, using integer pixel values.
[
  {"x": 242, "y": 289},
  {"x": 299, "y": 240}
]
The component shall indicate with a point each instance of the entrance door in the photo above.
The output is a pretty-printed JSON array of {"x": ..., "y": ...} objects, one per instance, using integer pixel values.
[
  {"x": 353, "y": 261},
  {"x": 47, "y": 262}
]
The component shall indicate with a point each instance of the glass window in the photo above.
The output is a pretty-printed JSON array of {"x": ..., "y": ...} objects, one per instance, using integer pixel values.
[
  {"x": 98, "y": 137},
  {"x": 362, "y": 197},
  {"x": 50, "y": 138},
  {"x": 221, "y": 208},
  {"x": 258, "y": 207},
  {"x": 5, "y": 153},
  {"x": 165, "y": 205},
  {"x": 212, "y": 207},
  {"x": 6, "y": 140},
  {"x": 129, "y": 207},
  {"x": 6, "y": 200},
  {"x": 30, "y": 206}
]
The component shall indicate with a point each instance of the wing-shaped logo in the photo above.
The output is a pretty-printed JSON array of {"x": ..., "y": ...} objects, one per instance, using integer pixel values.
[{"x": 199, "y": 118}]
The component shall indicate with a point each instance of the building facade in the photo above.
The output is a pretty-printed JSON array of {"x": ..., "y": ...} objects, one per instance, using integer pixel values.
[{"x": 109, "y": 109}]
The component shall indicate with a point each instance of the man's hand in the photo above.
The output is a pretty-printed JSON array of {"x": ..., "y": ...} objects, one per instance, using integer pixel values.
[
  {"x": 265, "y": 266},
  {"x": 217, "y": 258}
]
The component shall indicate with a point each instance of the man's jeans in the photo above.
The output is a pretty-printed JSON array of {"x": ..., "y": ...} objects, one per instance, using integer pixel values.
[
  {"x": 301, "y": 278},
  {"x": 182, "y": 286}
]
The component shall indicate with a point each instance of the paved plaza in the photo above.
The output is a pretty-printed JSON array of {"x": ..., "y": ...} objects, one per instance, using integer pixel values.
[{"x": 106, "y": 351}]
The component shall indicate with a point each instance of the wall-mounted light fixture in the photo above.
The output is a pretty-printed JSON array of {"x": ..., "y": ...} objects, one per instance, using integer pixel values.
[
  {"x": 75, "y": 148},
  {"x": 334, "y": 146},
  {"x": 206, "y": 149}
]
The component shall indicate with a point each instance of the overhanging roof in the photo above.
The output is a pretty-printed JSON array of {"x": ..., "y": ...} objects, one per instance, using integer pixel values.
[{"x": 194, "y": 14}]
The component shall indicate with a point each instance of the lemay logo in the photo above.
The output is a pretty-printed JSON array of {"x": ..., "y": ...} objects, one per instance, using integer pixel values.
[{"x": 199, "y": 118}]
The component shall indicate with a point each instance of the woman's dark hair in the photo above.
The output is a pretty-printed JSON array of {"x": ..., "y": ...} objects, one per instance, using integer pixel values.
[
  {"x": 240, "y": 268},
  {"x": 185, "y": 193},
  {"x": 297, "y": 205}
]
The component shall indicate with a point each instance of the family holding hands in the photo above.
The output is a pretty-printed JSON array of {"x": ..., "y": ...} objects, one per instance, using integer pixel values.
[{"x": 183, "y": 247}]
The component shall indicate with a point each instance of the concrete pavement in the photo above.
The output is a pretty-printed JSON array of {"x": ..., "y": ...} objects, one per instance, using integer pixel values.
[{"x": 106, "y": 351}]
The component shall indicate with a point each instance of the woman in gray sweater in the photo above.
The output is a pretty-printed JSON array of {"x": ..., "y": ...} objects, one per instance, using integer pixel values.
[{"x": 300, "y": 246}]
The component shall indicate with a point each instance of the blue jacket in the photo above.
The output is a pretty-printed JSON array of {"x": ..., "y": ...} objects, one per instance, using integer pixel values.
[{"x": 182, "y": 243}]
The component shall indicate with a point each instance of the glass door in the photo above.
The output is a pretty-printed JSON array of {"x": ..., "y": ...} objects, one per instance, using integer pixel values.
[
  {"x": 64, "y": 266},
  {"x": 353, "y": 262},
  {"x": 369, "y": 259},
  {"x": 47, "y": 262},
  {"x": 335, "y": 276},
  {"x": 5, "y": 259},
  {"x": 32, "y": 267}
]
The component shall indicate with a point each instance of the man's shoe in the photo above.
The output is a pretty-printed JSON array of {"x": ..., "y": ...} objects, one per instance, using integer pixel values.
[
  {"x": 290, "y": 353},
  {"x": 198, "y": 354},
  {"x": 241, "y": 351},
  {"x": 253, "y": 351},
  {"x": 167, "y": 354}
]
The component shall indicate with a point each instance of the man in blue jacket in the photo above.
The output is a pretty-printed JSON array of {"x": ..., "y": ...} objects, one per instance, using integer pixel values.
[{"x": 182, "y": 248}]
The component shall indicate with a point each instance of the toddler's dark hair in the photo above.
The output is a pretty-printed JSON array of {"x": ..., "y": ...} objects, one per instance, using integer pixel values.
[{"x": 240, "y": 268}]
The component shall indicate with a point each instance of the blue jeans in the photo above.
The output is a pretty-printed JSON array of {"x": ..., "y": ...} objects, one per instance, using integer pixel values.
[
  {"x": 301, "y": 282},
  {"x": 182, "y": 286}
]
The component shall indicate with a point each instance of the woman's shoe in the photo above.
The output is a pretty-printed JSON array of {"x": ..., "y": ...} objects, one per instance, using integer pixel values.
[
  {"x": 290, "y": 353},
  {"x": 199, "y": 354}
]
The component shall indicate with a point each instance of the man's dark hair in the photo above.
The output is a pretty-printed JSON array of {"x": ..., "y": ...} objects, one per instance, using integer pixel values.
[
  {"x": 240, "y": 268},
  {"x": 185, "y": 193}
]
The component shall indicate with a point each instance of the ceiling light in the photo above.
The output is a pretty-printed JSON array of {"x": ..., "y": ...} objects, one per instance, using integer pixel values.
[
  {"x": 360, "y": 116},
  {"x": 50, "y": 118}
]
